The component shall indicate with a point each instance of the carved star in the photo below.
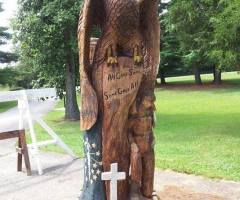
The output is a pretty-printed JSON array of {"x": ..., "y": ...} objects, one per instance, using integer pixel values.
[
  {"x": 94, "y": 165},
  {"x": 94, "y": 177},
  {"x": 98, "y": 153},
  {"x": 92, "y": 171},
  {"x": 94, "y": 145},
  {"x": 100, "y": 163},
  {"x": 98, "y": 172}
]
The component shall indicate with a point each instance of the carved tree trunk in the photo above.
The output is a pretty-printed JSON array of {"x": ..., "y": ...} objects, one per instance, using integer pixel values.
[
  {"x": 118, "y": 87},
  {"x": 71, "y": 106}
]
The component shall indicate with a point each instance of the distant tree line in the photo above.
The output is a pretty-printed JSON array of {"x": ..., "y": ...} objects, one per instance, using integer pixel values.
[{"x": 199, "y": 36}]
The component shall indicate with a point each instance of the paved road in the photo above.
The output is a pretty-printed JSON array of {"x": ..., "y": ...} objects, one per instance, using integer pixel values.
[
  {"x": 9, "y": 119},
  {"x": 63, "y": 179}
]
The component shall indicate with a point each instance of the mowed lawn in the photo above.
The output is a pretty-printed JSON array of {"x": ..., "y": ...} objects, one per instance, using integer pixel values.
[
  {"x": 4, "y": 106},
  {"x": 197, "y": 129}
]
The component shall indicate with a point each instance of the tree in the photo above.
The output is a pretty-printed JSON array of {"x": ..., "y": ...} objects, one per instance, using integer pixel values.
[
  {"x": 46, "y": 31},
  {"x": 190, "y": 20},
  {"x": 171, "y": 60},
  {"x": 226, "y": 49},
  {"x": 7, "y": 76},
  {"x": 5, "y": 57}
]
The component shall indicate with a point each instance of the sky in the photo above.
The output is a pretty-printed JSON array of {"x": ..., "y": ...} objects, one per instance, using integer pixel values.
[{"x": 10, "y": 7}]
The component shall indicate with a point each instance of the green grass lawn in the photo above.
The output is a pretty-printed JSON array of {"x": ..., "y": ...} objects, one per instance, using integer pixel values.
[
  {"x": 197, "y": 130},
  {"x": 229, "y": 78},
  {"x": 4, "y": 88},
  {"x": 69, "y": 131},
  {"x": 4, "y": 106}
]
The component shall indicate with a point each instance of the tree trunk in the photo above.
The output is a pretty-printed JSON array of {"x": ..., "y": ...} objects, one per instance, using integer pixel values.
[
  {"x": 217, "y": 74},
  {"x": 71, "y": 106},
  {"x": 162, "y": 77},
  {"x": 197, "y": 75}
]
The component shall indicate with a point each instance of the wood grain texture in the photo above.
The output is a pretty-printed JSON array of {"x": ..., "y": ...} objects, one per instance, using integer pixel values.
[{"x": 117, "y": 85}]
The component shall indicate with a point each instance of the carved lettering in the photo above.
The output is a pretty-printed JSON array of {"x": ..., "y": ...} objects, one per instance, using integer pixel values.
[
  {"x": 120, "y": 92},
  {"x": 121, "y": 75}
]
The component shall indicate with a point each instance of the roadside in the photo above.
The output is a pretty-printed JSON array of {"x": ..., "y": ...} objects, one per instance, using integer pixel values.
[
  {"x": 9, "y": 121},
  {"x": 63, "y": 180}
]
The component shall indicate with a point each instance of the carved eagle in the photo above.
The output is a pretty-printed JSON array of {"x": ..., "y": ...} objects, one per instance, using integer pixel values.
[{"x": 123, "y": 24}]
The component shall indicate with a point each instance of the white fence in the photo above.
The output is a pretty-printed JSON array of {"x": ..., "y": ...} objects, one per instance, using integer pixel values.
[{"x": 23, "y": 96}]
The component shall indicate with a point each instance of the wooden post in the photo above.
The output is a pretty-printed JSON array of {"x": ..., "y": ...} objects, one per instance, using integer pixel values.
[
  {"x": 19, "y": 150},
  {"x": 24, "y": 107},
  {"x": 22, "y": 149}
]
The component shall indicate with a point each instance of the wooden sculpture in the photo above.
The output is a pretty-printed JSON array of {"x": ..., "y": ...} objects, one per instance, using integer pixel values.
[{"x": 117, "y": 92}]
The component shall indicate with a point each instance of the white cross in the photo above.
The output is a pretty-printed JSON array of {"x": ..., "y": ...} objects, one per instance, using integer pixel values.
[{"x": 113, "y": 176}]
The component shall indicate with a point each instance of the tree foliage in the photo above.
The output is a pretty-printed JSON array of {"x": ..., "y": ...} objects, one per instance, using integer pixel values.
[
  {"x": 208, "y": 34},
  {"x": 191, "y": 21},
  {"x": 41, "y": 28},
  {"x": 226, "y": 40},
  {"x": 170, "y": 48},
  {"x": 46, "y": 34}
]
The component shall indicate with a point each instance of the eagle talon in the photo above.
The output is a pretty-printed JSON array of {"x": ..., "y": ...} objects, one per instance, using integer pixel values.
[
  {"x": 112, "y": 60},
  {"x": 137, "y": 60},
  {"x": 136, "y": 56}
]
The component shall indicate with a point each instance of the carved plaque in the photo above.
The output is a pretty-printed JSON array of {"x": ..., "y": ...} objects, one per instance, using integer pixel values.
[{"x": 121, "y": 81}]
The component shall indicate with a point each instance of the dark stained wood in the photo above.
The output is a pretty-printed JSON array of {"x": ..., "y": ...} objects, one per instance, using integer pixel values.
[
  {"x": 22, "y": 149},
  {"x": 9, "y": 135},
  {"x": 19, "y": 156},
  {"x": 25, "y": 151},
  {"x": 118, "y": 74}
]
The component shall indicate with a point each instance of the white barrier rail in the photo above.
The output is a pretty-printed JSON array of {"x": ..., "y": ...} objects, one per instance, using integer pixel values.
[
  {"x": 31, "y": 94},
  {"x": 22, "y": 96}
]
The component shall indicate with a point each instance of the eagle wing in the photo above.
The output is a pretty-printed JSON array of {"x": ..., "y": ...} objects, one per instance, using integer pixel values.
[
  {"x": 89, "y": 102},
  {"x": 150, "y": 29}
]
